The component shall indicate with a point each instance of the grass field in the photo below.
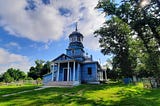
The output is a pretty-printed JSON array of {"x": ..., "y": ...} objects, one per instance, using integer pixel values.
[
  {"x": 13, "y": 89},
  {"x": 113, "y": 94}
]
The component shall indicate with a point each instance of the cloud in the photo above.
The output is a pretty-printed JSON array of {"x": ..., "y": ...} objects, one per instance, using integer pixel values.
[
  {"x": 9, "y": 60},
  {"x": 144, "y": 3},
  {"x": 42, "y": 24},
  {"x": 50, "y": 21},
  {"x": 13, "y": 45}
]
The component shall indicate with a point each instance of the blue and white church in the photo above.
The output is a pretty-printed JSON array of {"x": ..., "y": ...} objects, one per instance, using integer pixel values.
[{"x": 74, "y": 67}]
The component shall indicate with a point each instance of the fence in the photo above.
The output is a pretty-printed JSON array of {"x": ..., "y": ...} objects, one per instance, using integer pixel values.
[
  {"x": 23, "y": 82},
  {"x": 151, "y": 82}
]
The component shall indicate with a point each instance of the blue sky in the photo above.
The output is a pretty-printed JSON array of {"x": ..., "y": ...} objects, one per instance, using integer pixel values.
[{"x": 39, "y": 29}]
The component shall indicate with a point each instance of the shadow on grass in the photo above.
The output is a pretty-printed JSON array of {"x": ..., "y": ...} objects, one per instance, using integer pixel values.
[
  {"x": 14, "y": 89},
  {"x": 70, "y": 99},
  {"x": 58, "y": 95},
  {"x": 144, "y": 97},
  {"x": 76, "y": 96}
]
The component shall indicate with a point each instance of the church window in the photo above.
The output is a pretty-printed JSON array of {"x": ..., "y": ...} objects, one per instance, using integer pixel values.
[
  {"x": 72, "y": 51},
  {"x": 74, "y": 39},
  {"x": 78, "y": 39},
  {"x": 89, "y": 70}
]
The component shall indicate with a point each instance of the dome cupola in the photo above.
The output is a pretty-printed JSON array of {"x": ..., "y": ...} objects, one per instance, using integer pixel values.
[
  {"x": 75, "y": 48},
  {"x": 76, "y": 36}
]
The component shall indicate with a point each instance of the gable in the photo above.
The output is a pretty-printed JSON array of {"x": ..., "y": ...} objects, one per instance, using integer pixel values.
[{"x": 62, "y": 57}]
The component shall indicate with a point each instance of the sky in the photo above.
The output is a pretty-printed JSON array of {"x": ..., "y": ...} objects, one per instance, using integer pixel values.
[{"x": 39, "y": 29}]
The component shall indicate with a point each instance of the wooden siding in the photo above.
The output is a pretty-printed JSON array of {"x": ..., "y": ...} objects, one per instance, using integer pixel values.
[{"x": 85, "y": 76}]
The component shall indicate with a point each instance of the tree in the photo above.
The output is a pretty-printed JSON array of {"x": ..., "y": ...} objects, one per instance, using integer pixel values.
[
  {"x": 46, "y": 68},
  {"x": 114, "y": 40},
  {"x": 13, "y": 75},
  {"x": 33, "y": 73},
  {"x": 137, "y": 17},
  {"x": 144, "y": 24},
  {"x": 7, "y": 78},
  {"x": 39, "y": 70},
  {"x": 1, "y": 77}
]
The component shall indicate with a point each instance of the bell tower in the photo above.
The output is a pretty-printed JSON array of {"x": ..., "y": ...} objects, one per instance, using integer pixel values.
[{"x": 75, "y": 48}]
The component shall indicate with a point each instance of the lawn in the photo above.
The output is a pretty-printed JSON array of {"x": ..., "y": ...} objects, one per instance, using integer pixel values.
[
  {"x": 5, "y": 89},
  {"x": 114, "y": 94}
]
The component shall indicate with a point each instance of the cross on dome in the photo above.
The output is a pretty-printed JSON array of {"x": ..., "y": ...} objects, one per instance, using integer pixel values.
[{"x": 76, "y": 26}]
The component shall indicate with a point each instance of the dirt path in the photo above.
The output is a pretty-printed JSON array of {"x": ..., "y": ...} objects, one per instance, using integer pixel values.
[{"x": 43, "y": 87}]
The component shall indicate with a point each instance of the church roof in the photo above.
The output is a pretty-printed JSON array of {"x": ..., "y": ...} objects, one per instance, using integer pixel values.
[
  {"x": 75, "y": 44},
  {"x": 75, "y": 33},
  {"x": 62, "y": 57}
]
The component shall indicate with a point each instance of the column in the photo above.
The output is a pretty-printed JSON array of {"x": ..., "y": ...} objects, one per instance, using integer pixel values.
[
  {"x": 101, "y": 75},
  {"x": 68, "y": 72},
  {"x": 52, "y": 68},
  {"x": 78, "y": 72},
  {"x": 74, "y": 71},
  {"x": 58, "y": 71},
  {"x": 105, "y": 75}
]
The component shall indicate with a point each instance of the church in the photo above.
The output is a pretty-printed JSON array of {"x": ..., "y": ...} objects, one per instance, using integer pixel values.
[{"x": 74, "y": 67}]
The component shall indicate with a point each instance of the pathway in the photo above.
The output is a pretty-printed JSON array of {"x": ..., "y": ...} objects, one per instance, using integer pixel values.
[{"x": 43, "y": 87}]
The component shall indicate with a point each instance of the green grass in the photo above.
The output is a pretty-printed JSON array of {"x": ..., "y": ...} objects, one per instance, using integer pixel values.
[
  {"x": 13, "y": 89},
  {"x": 113, "y": 94}
]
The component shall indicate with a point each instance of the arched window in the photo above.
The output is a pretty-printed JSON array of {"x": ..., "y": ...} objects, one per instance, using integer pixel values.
[{"x": 73, "y": 39}]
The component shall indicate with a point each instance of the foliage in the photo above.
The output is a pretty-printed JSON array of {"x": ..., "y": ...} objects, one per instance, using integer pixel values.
[
  {"x": 114, "y": 39},
  {"x": 39, "y": 81},
  {"x": 7, "y": 78},
  {"x": 1, "y": 77},
  {"x": 112, "y": 94},
  {"x": 13, "y": 75},
  {"x": 39, "y": 70},
  {"x": 143, "y": 39}
]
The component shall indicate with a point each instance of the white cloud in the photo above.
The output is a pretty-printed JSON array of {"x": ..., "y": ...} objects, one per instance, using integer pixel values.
[
  {"x": 43, "y": 24},
  {"x": 47, "y": 23},
  {"x": 9, "y": 60},
  {"x": 13, "y": 45},
  {"x": 42, "y": 46},
  {"x": 144, "y": 3},
  {"x": 91, "y": 43}
]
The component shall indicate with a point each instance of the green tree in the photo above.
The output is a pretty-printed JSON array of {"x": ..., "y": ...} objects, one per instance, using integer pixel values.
[
  {"x": 113, "y": 38},
  {"x": 39, "y": 67},
  {"x": 7, "y": 78},
  {"x": 33, "y": 73},
  {"x": 16, "y": 74},
  {"x": 144, "y": 24},
  {"x": 46, "y": 68},
  {"x": 39, "y": 70},
  {"x": 137, "y": 17},
  {"x": 1, "y": 77}
]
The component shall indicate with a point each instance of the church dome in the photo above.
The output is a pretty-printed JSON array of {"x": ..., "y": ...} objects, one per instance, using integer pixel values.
[
  {"x": 75, "y": 48},
  {"x": 75, "y": 33}
]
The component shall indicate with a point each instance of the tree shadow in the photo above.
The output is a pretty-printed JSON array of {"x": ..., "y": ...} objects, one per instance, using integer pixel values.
[
  {"x": 75, "y": 95},
  {"x": 11, "y": 89},
  {"x": 144, "y": 97}
]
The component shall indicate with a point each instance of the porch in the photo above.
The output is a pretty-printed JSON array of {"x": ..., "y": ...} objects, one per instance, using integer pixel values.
[{"x": 65, "y": 72}]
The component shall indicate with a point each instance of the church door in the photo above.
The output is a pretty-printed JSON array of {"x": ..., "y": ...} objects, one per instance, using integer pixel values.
[{"x": 65, "y": 75}]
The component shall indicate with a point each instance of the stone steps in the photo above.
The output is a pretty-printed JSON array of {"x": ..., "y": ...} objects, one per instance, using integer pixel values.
[{"x": 60, "y": 83}]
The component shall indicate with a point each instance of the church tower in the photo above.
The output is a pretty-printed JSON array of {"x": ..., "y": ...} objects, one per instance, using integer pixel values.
[{"x": 75, "y": 48}]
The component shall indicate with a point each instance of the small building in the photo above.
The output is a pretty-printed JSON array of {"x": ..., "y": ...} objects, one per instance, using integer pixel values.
[{"x": 74, "y": 67}]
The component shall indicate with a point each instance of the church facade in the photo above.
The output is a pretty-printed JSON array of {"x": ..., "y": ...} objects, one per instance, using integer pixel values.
[{"x": 74, "y": 67}]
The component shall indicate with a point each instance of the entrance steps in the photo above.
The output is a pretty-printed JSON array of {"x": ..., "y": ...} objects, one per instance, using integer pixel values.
[{"x": 60, "y": 83}]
